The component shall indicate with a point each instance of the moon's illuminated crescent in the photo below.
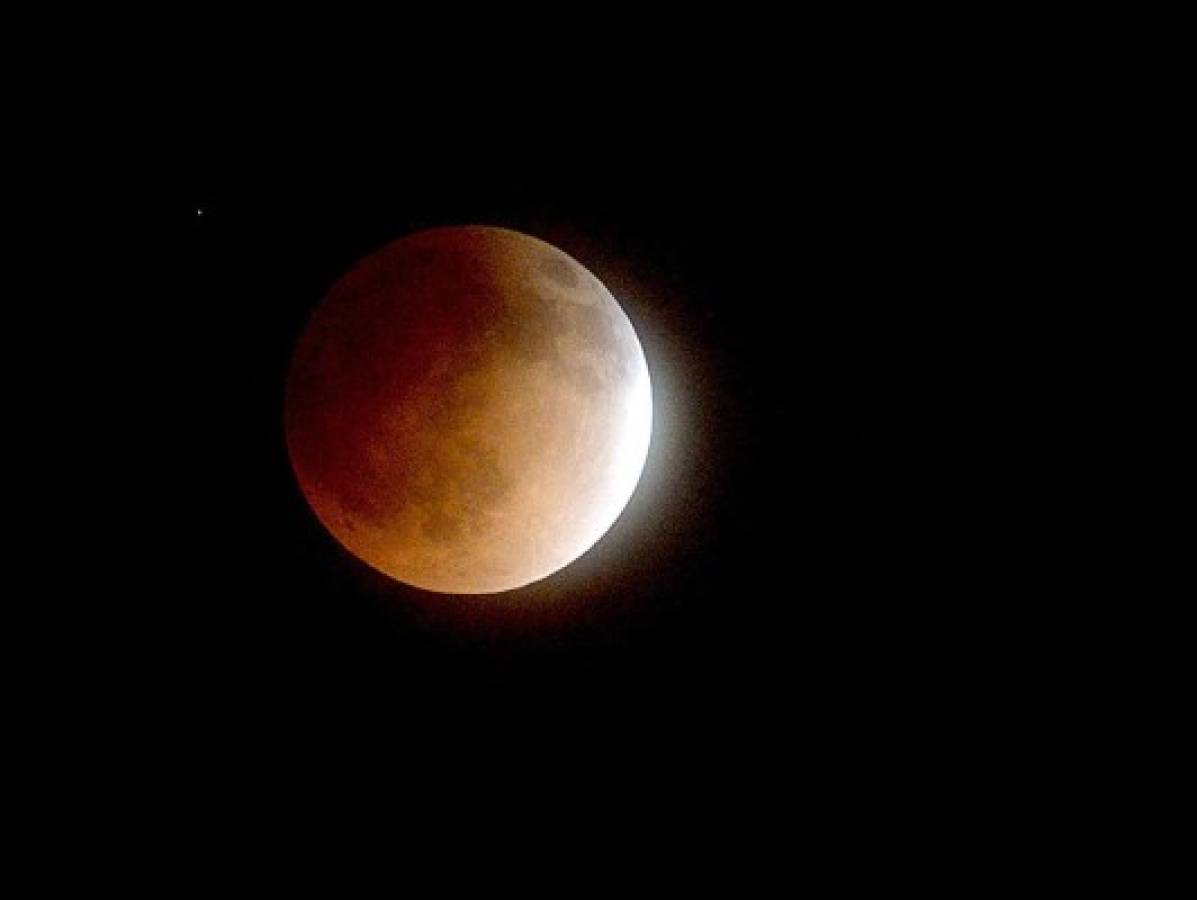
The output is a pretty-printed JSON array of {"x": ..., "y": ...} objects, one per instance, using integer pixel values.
[{"x": 469, "y": 410}]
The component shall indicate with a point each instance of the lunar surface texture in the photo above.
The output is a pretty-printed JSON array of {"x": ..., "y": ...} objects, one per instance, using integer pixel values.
[{"x": 468, "y": 410}]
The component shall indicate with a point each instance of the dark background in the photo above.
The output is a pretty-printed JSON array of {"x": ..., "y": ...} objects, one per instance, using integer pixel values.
[
  {"x": 818, "y": 620},
  {"x": 782, "y": 574}
]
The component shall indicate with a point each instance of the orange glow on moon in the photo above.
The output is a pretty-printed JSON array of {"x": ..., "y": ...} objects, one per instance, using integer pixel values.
[{"x": 469, "y": 410}]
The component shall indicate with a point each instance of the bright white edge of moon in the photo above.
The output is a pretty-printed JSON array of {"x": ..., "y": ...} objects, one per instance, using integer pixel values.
[{"x": 630, "y": 456}]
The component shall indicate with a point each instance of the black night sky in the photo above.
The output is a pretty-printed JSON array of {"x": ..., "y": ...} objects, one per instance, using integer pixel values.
[
  {"x": 819, "y": 620},
  {"x": 768, "y": 574}
]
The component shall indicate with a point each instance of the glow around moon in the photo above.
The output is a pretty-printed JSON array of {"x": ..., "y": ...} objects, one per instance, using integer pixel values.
[{"x": 469, "y": 410}]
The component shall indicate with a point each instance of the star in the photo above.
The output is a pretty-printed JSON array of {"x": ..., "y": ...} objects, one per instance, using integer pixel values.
[{"x": 199, "y": 212}]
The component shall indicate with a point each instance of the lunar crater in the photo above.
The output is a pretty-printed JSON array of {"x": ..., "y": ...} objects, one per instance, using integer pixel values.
[{"x": 561, "y": 271}]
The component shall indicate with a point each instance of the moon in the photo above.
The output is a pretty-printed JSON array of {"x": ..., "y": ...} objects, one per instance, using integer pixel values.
[{"x": 469, "y": 410}]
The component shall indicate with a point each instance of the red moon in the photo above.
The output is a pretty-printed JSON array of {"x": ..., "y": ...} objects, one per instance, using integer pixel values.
[{"x": 468, "y": 410}]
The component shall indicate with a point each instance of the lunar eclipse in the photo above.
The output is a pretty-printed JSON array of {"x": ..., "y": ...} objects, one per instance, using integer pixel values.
[{"x": 468, "y": 411}]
